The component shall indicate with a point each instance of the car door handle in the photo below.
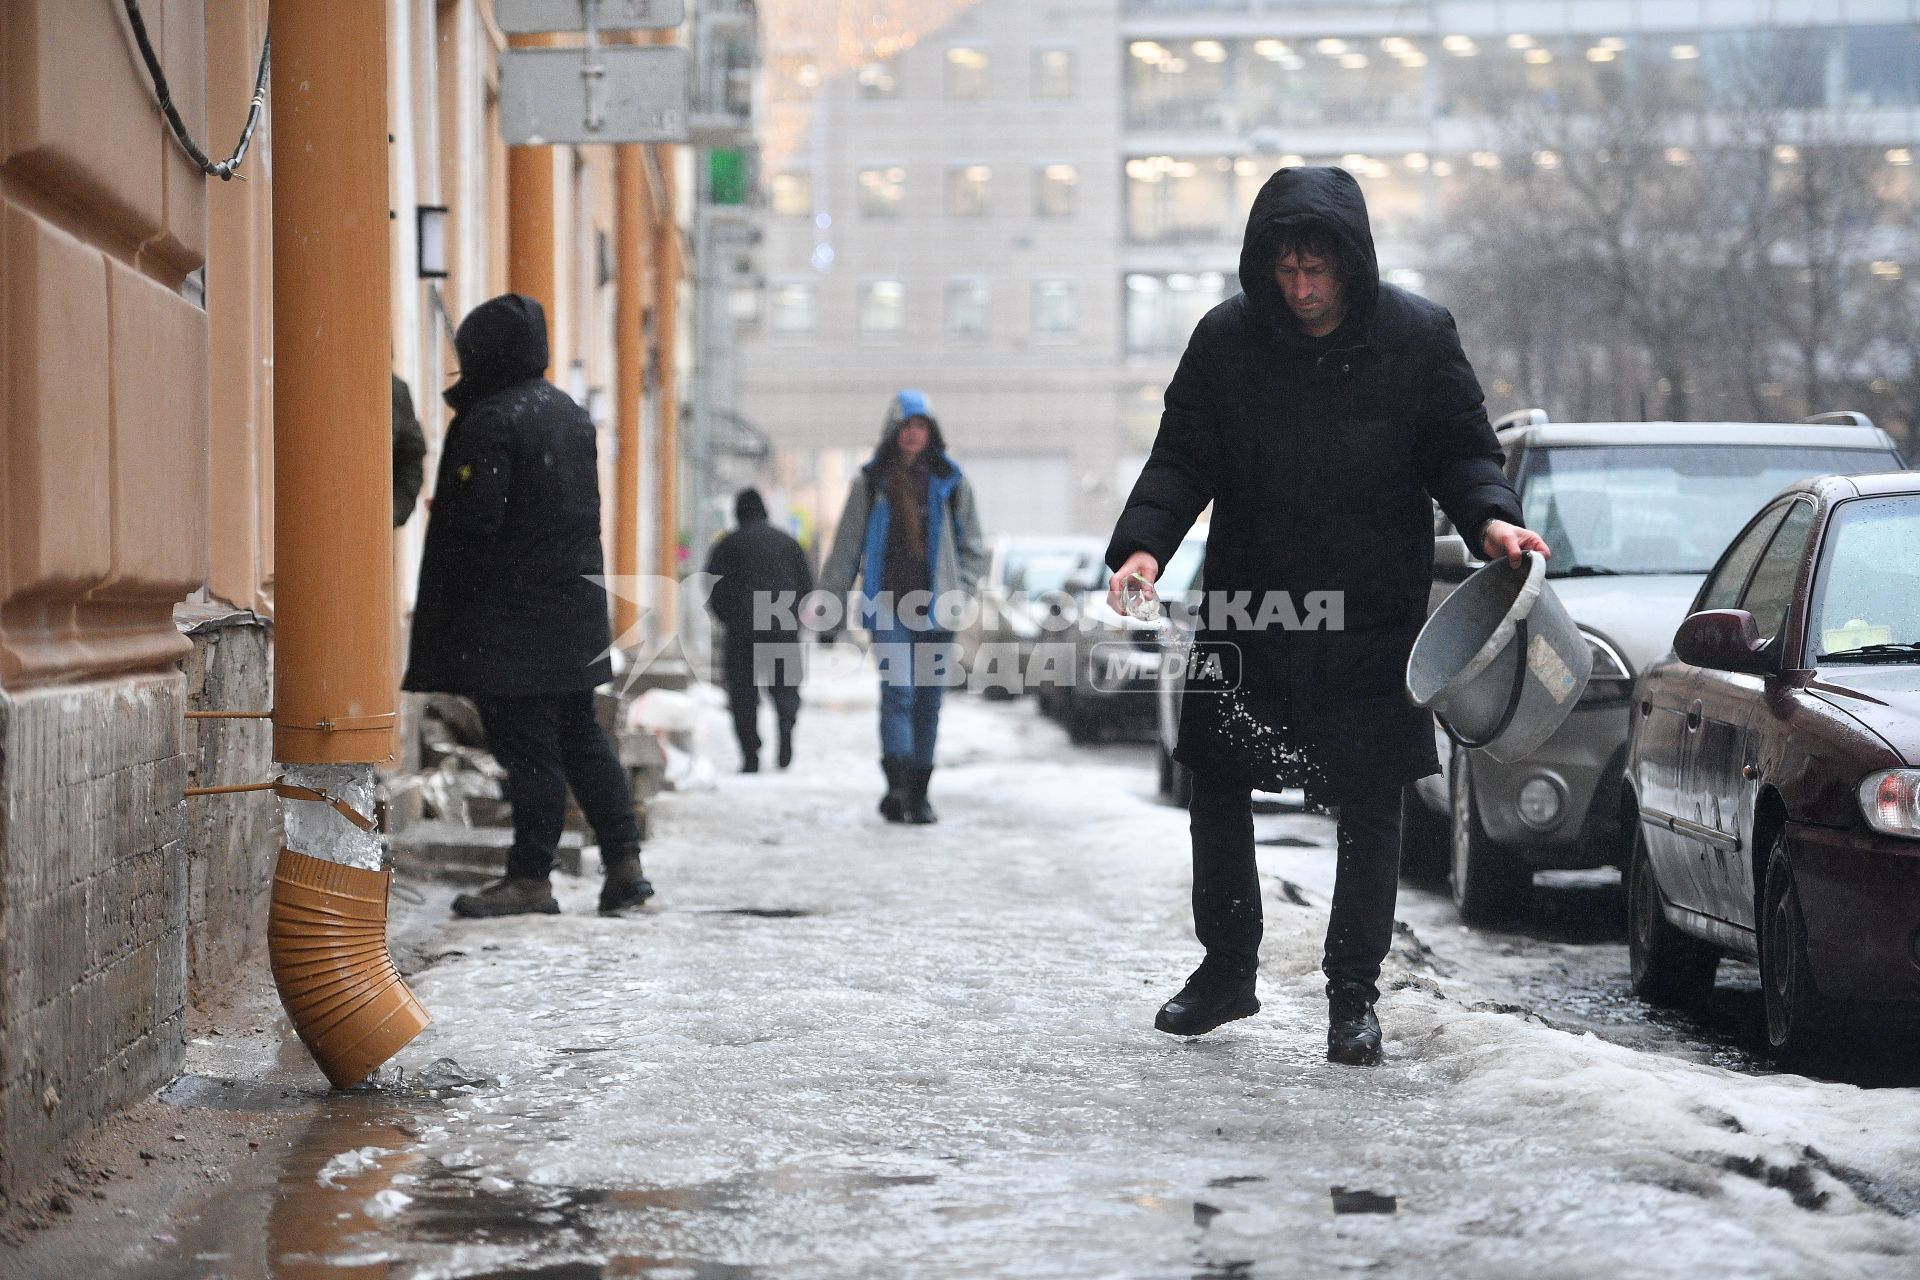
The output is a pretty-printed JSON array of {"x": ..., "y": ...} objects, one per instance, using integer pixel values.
[
  {"x": 1693, "y": 717},
  {"x": 1646, "y": 708}
]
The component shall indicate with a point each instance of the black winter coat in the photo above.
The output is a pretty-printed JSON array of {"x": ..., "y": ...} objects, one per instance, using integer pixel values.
[
  {"x": 757, "y": 559},
  {"x": 507, "y": 602},
  {"x": 1319, "y": 458}
]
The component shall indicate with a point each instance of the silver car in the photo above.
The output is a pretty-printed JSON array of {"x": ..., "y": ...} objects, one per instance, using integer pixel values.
[{"x": 1636, "y": 514}]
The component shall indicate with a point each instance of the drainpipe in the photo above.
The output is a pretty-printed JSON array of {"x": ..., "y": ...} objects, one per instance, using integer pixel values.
[
  {"x": 530, "y": 200},
  {"x": 335, "y": 688},
  {"x": 629, "y": 380},
  {"x": 667, "y": 266}
]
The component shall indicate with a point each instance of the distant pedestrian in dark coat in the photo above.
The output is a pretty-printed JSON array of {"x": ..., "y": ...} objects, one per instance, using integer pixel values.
[
  {"x": 1317, "y": 411},
  {"x": 508, "y": 611},
  {"x": 409, "y": 450},
  {"x": 759, "y": 568},
  {"x": 910, "y": 534}
]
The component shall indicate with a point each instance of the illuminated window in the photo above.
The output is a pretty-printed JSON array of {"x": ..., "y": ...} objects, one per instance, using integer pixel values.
[
  {"x": 1053, "y": 308},
  {"x": 793, "y": 194},
  {"x": 882, "y": 191},
  {"x": 1053, "y": 73},
  {"x": 883, "y": 308},
  {"x": 966, "y": 73},
  {"x": 1053, "y": 186},
  {"x": 878, "y": 80},
  {"x": 969, "y": 191},
  {"x": 790, "y": 308},
  {"x": 967, "y": 302}
]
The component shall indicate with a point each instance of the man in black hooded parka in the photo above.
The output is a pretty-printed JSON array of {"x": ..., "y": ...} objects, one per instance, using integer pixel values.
[
  {"x": 1317, "y": 411},
  {"x": 509, "y": 611}
]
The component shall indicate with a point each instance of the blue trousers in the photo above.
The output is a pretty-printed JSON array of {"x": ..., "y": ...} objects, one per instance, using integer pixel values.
[{"x": 915, "y": 667}]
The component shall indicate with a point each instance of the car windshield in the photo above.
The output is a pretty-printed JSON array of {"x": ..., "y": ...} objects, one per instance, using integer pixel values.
[
  {"x": 1866, "y": 601},
  {"x": 1609, "y": 509}
]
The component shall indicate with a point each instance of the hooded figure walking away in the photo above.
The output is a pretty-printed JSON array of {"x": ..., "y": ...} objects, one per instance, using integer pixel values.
[
  {"x": 1318, "y": 410},
  {"x": 508, "y": 611},
  {"x": 911, "y": 533},
  {"x": 759, "y": 570}
]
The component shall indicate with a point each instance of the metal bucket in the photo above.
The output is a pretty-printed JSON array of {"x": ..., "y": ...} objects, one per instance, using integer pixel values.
[{"x": 1500, "y": 664}]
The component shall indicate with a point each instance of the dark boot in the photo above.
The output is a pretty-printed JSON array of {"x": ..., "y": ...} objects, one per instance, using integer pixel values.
[
  {"x": 1353, "y": 1032},
  {"x": 624, "y": 885},
  {"x": 512, "y": 896},
  {"x": 1216, "y": 993},
  {"x": 786, "y": 745},
  {"x": 919, "y": 812},
  {"x": 893, "y": 805},
  {"x": 750, "y": 765}
]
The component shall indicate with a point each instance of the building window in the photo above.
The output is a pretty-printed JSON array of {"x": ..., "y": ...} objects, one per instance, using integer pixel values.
[
  {"x": 966, "y": 73},
  {"x": 1162, "y": 309},
  {"x": 790, "y": 309},
  {"x": 1053, "y": 73},
  {"x": 1174, "y": 199},
  {"x": 883, "y": 308},
  {"x": 1053, "y": 310},
  {"x": 881, "y": 192},
  {"x": 967, "y": 300},
  {"x": 793, "y": 194},
  {"x": 879, "y": 80},
  {"x": 1053, "y": 186},
  {"x": 794, "y": 77},
  {"x": 969, "y": 191}
]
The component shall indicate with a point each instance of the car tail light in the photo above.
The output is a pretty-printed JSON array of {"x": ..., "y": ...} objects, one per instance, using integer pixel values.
[
  {"x": 1891, "y": 802},
  {"x": 1612, "y": 678}
]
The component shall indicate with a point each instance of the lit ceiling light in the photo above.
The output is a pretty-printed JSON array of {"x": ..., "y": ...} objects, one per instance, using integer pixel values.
[
  {"x": 1179, "y": 281},
  {"x": 1685, "y": 52},
  {"x": 1184, "y": 169},
  {"x": 1414, "y": 60},
  {"x": 1519, "y": 41},
  {"x": 1417, "y": 161},
  {"x": 1174, "y": 66},
  {"x": 1143, "y": 284},
  {"x": 1886, "y": 270},
  {"x": 978, "y": 173},
  {"x": 1538, "y": 57},
  {"x": 1292, "y": 162},
  {"x": 1245, "y": 168},
  {"x": 1396, "y": 45},
  {"x": 1353, "y": 61},
  {"x": 1142, "y": 171},
  {"x": 1546, "y": 159},
  {"x": 1614, "y": 43},
  {"x": 1486, "y": 160},
  {"x": 1146, "y": 51},
  {"x": 1599, "y": 54},
  {"x": 809, "y": 76},
  {"x": 1274, "y": 49},
  {"x": 1679, "y": 156},
  {"x": 1786, "y": 153},
  {"x": 1331, "y": 47},
  {"x": 971, "y": 59},
  {"x": 1209, "y": 51},
  {"x": 1062, "y": 173},
  {"x": 1443, "y": 168},
  {"x": 1354, "y": 160},
  {"x": 1900, "y": 156}
]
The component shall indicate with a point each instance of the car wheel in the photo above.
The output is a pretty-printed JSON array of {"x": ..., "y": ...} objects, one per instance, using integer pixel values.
[
  {"x": 1426, "y": 840},
  {"x": 1796, "y": 1012},
  {"x": 1665, "y": 965},
  {"x": 1176, "y": 780},
  {"x": 1490, "y": 883}
]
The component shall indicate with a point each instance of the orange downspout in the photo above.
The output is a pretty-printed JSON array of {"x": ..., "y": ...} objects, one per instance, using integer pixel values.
[
  {"x": 335, "y": 687},
  {"x": 667, "y": 267},
  {"x": 629, "y": 380},
  {"x": 530, "y": 198}
]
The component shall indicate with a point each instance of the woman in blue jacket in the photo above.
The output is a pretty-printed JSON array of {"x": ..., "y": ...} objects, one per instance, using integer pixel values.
[{"x": 911, "y": 533}]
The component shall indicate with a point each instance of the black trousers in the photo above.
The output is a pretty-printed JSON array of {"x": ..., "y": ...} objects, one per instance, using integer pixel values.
[
  {"x": 1226, "y": 883},
  {"x": 547, "y": 743},
  {"x": 743, "y": 690}
]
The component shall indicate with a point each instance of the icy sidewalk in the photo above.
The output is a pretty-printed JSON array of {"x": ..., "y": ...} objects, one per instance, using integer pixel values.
[{"x": 835, "y": 1047}]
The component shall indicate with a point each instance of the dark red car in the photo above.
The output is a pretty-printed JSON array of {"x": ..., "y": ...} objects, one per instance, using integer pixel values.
[{"x": 1772, "y": 792}]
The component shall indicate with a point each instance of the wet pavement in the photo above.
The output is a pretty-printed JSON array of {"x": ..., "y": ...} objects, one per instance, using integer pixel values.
[{"x": 835, "y": 1047}]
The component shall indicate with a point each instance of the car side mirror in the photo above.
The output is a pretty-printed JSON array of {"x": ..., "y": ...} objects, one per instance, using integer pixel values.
[
  {"x": 1722, "y": 640},
  {"x": 1451, "y": 563}
]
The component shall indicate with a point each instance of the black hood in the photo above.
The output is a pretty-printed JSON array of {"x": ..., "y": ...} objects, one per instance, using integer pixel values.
[
  {"x": 502, "y": 341},
  {"x": 748, "y": 505},
  {"x": 1294, "y": 199}
]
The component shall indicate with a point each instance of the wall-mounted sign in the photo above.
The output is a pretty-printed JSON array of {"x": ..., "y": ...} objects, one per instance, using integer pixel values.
[
  {"x": 616, "y": 93},
  {"x": 523, "y": 17}
]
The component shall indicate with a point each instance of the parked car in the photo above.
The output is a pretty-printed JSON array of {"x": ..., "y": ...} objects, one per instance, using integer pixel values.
[
  {"x": 1024, "y": 573},
  {"x": 1771, "y": 803},
  {"x": 1635, "y": 513},
  {"x": 1107, "y": 682}
]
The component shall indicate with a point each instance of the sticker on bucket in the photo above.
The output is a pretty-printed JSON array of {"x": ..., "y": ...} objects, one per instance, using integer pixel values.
[{"x": 1550, "y": 669}]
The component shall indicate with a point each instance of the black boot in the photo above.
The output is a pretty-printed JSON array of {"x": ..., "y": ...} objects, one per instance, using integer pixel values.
[
  {"x": 624, "y": 885},
  {"x": 919, "y": 812},
  {"x": 512, "y": 896},
  {"x": 893, "y": 805},
  {"x": 750, "y": 765},
  {"x": 1353, "y": 1032},
  {"x": 1216, "y": 993},
  {"x": 786, "y": 745}
]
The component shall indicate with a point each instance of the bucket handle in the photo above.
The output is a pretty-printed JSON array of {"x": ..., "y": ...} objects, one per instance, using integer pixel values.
[{"x": 1513, "y": 699}]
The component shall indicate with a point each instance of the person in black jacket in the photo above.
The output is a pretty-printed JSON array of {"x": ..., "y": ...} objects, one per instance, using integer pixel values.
[
  {"x": 509, "y": 611},
  {"x": 758, "y": 564},
  {"x": 1317, "y": 411},
  {"x": 409, "y": 449}
]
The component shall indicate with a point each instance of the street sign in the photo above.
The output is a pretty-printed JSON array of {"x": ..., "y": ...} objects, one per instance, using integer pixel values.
[
  {"x": 617, "y": 93},
  {"x": 523, "y": 17}
]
